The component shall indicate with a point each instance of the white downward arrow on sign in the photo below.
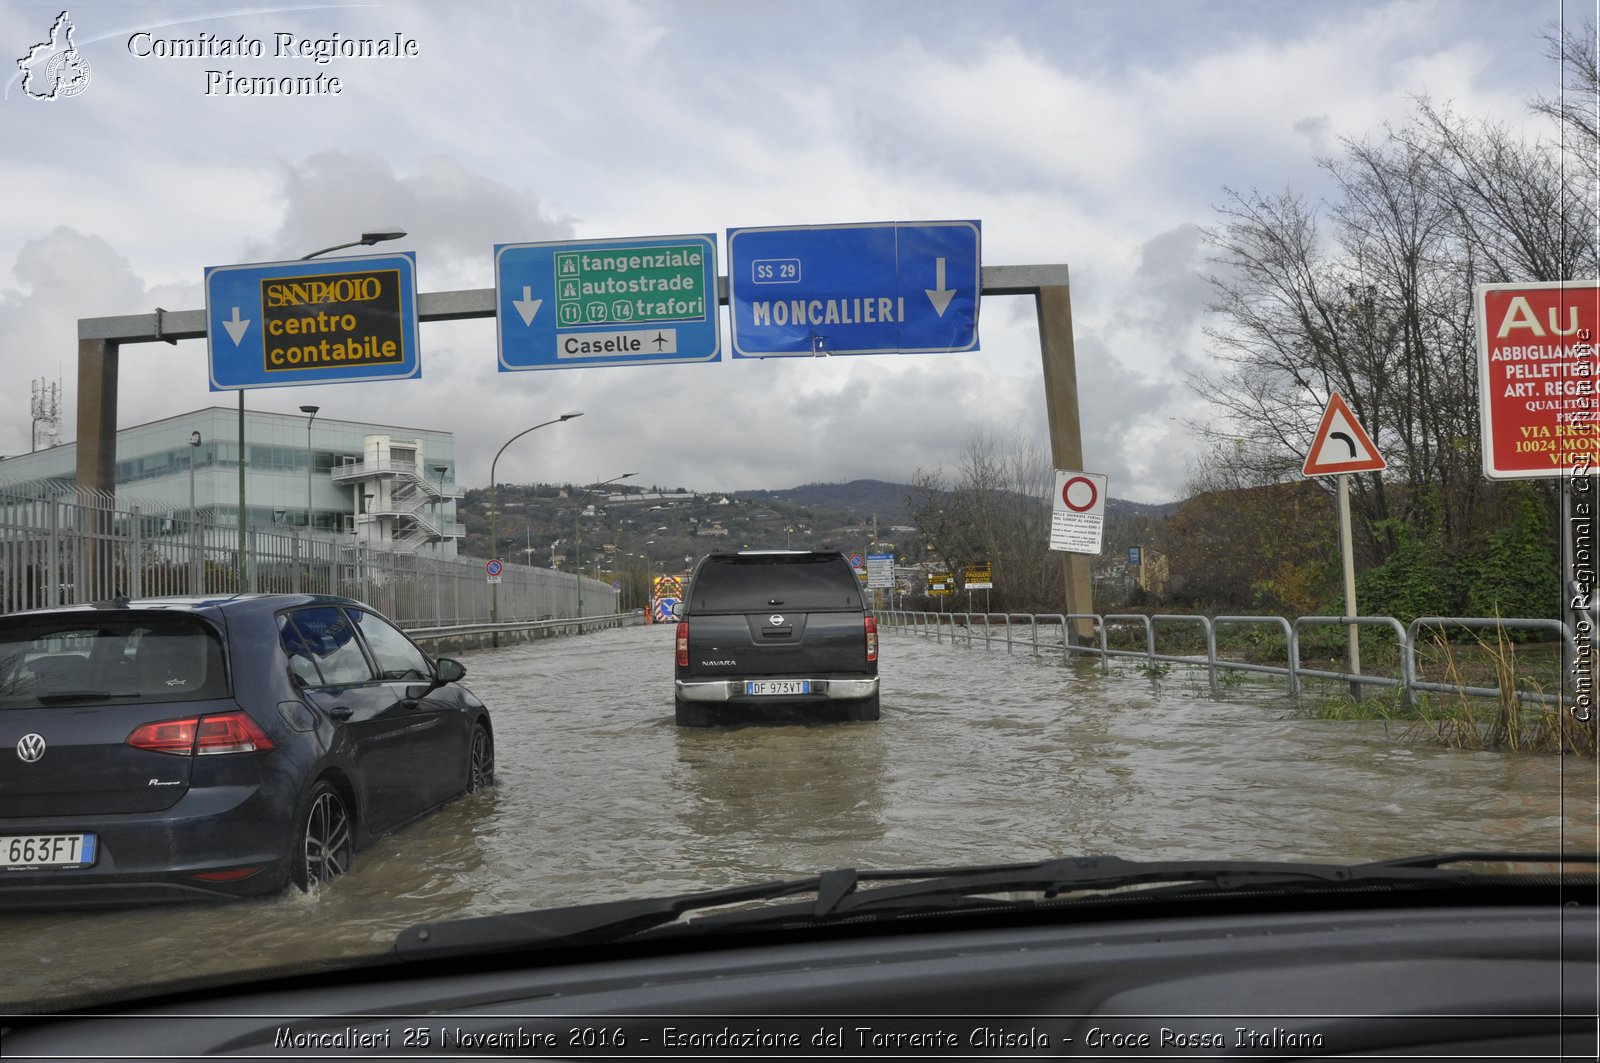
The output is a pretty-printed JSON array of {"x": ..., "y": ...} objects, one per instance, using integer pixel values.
[
  {"x": 235, "y": 327},
  {"x": 527, "y": 306},
  {"x": 939, "y": 295}
]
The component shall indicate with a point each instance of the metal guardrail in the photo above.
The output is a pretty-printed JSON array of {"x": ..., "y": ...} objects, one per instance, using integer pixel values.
[
  {"x": 1057, "y": 636},
  {"x": 444, "y": 631}
]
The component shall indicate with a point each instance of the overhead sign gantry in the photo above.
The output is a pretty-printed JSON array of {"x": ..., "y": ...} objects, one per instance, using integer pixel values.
[{"x": 936, "y": 265}]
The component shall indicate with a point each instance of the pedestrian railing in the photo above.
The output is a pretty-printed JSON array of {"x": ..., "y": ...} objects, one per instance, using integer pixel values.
[{"x": 1062, "y": 633}]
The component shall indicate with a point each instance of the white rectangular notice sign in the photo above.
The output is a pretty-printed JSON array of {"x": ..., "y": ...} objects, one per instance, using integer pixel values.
[{"x": 1077, "y": 520}]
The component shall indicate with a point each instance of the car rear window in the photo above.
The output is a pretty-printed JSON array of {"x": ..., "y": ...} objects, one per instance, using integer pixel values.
[
  {"x": 750, "y": 583},
  {"x": 115, "y": 656}
]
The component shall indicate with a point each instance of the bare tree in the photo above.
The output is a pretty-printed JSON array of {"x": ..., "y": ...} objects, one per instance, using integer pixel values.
[
  {"x": 1371, "y": 295},
  {"x": 1577, "y": 107},
  {"x": 996, "y": 510}
]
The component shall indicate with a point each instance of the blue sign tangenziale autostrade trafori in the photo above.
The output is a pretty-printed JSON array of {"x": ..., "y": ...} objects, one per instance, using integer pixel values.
[
  {"x": 328, "y": 321},
  {"x": 627, "y": 301},
  {"x": 868, "y": 288}
]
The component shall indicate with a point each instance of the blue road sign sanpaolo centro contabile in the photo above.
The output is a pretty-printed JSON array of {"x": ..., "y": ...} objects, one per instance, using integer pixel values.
[
  {"x": 328, "y": 321},
  {"x": 868, "y": 288},
  {"x": 607, "y": 302}
]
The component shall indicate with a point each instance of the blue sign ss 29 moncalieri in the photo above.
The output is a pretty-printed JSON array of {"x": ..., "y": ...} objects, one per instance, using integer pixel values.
[
  {"x": 328, "y": 321},
  {"x": 868, "y": 288}
]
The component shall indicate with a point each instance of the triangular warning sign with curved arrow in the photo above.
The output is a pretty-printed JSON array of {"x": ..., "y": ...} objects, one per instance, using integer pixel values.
[{"x": 1341, "y": 444}]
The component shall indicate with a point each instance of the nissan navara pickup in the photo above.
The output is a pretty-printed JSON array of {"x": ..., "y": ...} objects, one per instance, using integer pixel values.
[{"x": 775, "y": 633}]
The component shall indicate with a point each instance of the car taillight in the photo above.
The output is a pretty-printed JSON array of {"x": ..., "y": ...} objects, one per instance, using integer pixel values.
[
  {"x": 202, "y": 736},
  {"x": 872, "y": 638},
  {"x": 683, "y": 644}
]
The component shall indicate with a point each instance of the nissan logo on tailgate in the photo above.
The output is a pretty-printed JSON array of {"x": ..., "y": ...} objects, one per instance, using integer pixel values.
[
  {"x": 30, "y": 747},
  {"x": 776, "y": 619}
]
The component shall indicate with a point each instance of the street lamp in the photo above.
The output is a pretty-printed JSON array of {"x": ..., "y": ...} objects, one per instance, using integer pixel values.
[
  {"x": 194, "y": 551},
  {"x": 311, "y": 416},
  {"x": 577, "y": 534},
  {"x": 440, "y": 470},
  {"x": 374, "y": 236},
  {"x": 494, "y": 508}
]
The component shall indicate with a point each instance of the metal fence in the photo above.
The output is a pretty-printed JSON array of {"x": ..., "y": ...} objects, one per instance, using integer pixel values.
[
  {"x": 63, "y": 545},
  {"x": 1040, "y": 633}
]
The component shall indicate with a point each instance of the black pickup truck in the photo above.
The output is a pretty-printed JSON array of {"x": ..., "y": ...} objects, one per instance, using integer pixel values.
[{"x": 784, "y": 630}]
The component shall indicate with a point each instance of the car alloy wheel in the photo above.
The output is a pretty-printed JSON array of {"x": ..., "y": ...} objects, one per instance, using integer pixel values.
[
  {"x": 480, "y": 761},
  {"x": 327, "y": 841}
]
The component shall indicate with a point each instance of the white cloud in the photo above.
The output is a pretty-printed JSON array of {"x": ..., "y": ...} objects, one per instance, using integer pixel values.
[{"x": 1092, "y": 134}]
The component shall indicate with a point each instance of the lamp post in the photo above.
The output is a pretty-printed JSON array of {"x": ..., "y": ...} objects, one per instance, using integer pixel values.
[
  {"x": 494, "y": 510},
  {"x": 577, "y": 535},
  {"x": 375, "y": 236},
  {"x": 439, "y": 471},
  {"x": 366, "y": 553},
  {"x": 311, "y": 416},
  {"x": 194, "y": 550}
]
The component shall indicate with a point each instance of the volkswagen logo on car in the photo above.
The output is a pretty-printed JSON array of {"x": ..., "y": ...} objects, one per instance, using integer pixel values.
[{"x": 30, "y": 747}]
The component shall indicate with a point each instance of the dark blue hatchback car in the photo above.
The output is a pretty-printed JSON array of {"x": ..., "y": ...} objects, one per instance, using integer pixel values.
[{"x": 168, "y": 749}]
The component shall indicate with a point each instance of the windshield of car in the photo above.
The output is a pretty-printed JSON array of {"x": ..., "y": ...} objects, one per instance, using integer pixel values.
[{"x": 462, "y": 460}]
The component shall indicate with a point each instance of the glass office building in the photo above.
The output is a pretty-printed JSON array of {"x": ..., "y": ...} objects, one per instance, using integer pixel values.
[{"x": 390, "y": 486}]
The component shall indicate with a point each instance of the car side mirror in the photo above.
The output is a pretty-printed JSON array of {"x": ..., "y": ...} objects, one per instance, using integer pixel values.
[
  {"x": 449, "y": 670},
  {"x": 678, "y": 611}
]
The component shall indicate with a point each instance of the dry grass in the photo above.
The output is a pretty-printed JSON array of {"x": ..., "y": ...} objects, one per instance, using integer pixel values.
[{"x": 1506, "y": 721}]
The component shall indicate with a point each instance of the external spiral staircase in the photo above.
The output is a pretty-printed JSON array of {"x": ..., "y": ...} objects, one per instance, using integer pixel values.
[{"x": 413, "y": 503}]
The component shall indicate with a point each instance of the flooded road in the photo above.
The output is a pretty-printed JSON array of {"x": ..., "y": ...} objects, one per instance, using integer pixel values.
[{"x": 980, "y": 756}]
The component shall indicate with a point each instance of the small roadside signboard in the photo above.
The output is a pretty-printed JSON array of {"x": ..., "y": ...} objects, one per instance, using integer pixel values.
[
  {"x": 322, "y": 321},
  {"x": 1078, "y": 517},
  {"x": 492, "y": 570},
  {"x": 1537, "y": 372},
  {"x": 880, "y": 571},
  {"x": 978, "y": 577},
  {"x": 629, "y": 301},
  {"x": 941, "y": 583},
  {"x": 865, "y": 288},
  {"x": 1340, "y": 444}
]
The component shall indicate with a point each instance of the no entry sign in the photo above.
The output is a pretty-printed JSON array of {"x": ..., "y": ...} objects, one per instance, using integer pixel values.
[
  {"x": 1077, "y": 520},
  {"x": 1537, "y": 375}
]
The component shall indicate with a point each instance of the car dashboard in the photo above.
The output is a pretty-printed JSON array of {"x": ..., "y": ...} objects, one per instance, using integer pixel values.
[{"x": 1381, "y": 980}]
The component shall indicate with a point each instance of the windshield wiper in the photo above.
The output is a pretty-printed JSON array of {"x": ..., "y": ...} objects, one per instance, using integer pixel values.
[
  {"x": 935, "y": 889},
  {"x": 579, "y": 924}
]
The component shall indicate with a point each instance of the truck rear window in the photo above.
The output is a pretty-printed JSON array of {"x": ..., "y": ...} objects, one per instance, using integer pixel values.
[{"x": 745, "y": 584}]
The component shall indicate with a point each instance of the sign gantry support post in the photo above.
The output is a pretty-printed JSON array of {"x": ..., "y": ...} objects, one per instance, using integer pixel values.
[
  {"x": 1053, "y": 307},
  {"x": 100, "y": 340}
]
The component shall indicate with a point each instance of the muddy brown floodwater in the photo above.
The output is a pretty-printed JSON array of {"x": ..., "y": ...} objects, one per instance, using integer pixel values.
[{"x": 980, "y": 756}]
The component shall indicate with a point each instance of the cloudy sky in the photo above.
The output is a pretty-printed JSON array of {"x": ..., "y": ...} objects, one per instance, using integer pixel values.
[{"x": 1095, "y": 134}]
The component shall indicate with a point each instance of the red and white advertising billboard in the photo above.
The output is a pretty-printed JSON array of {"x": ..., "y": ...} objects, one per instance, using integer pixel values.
[{"x": 1537, "y": 378}]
